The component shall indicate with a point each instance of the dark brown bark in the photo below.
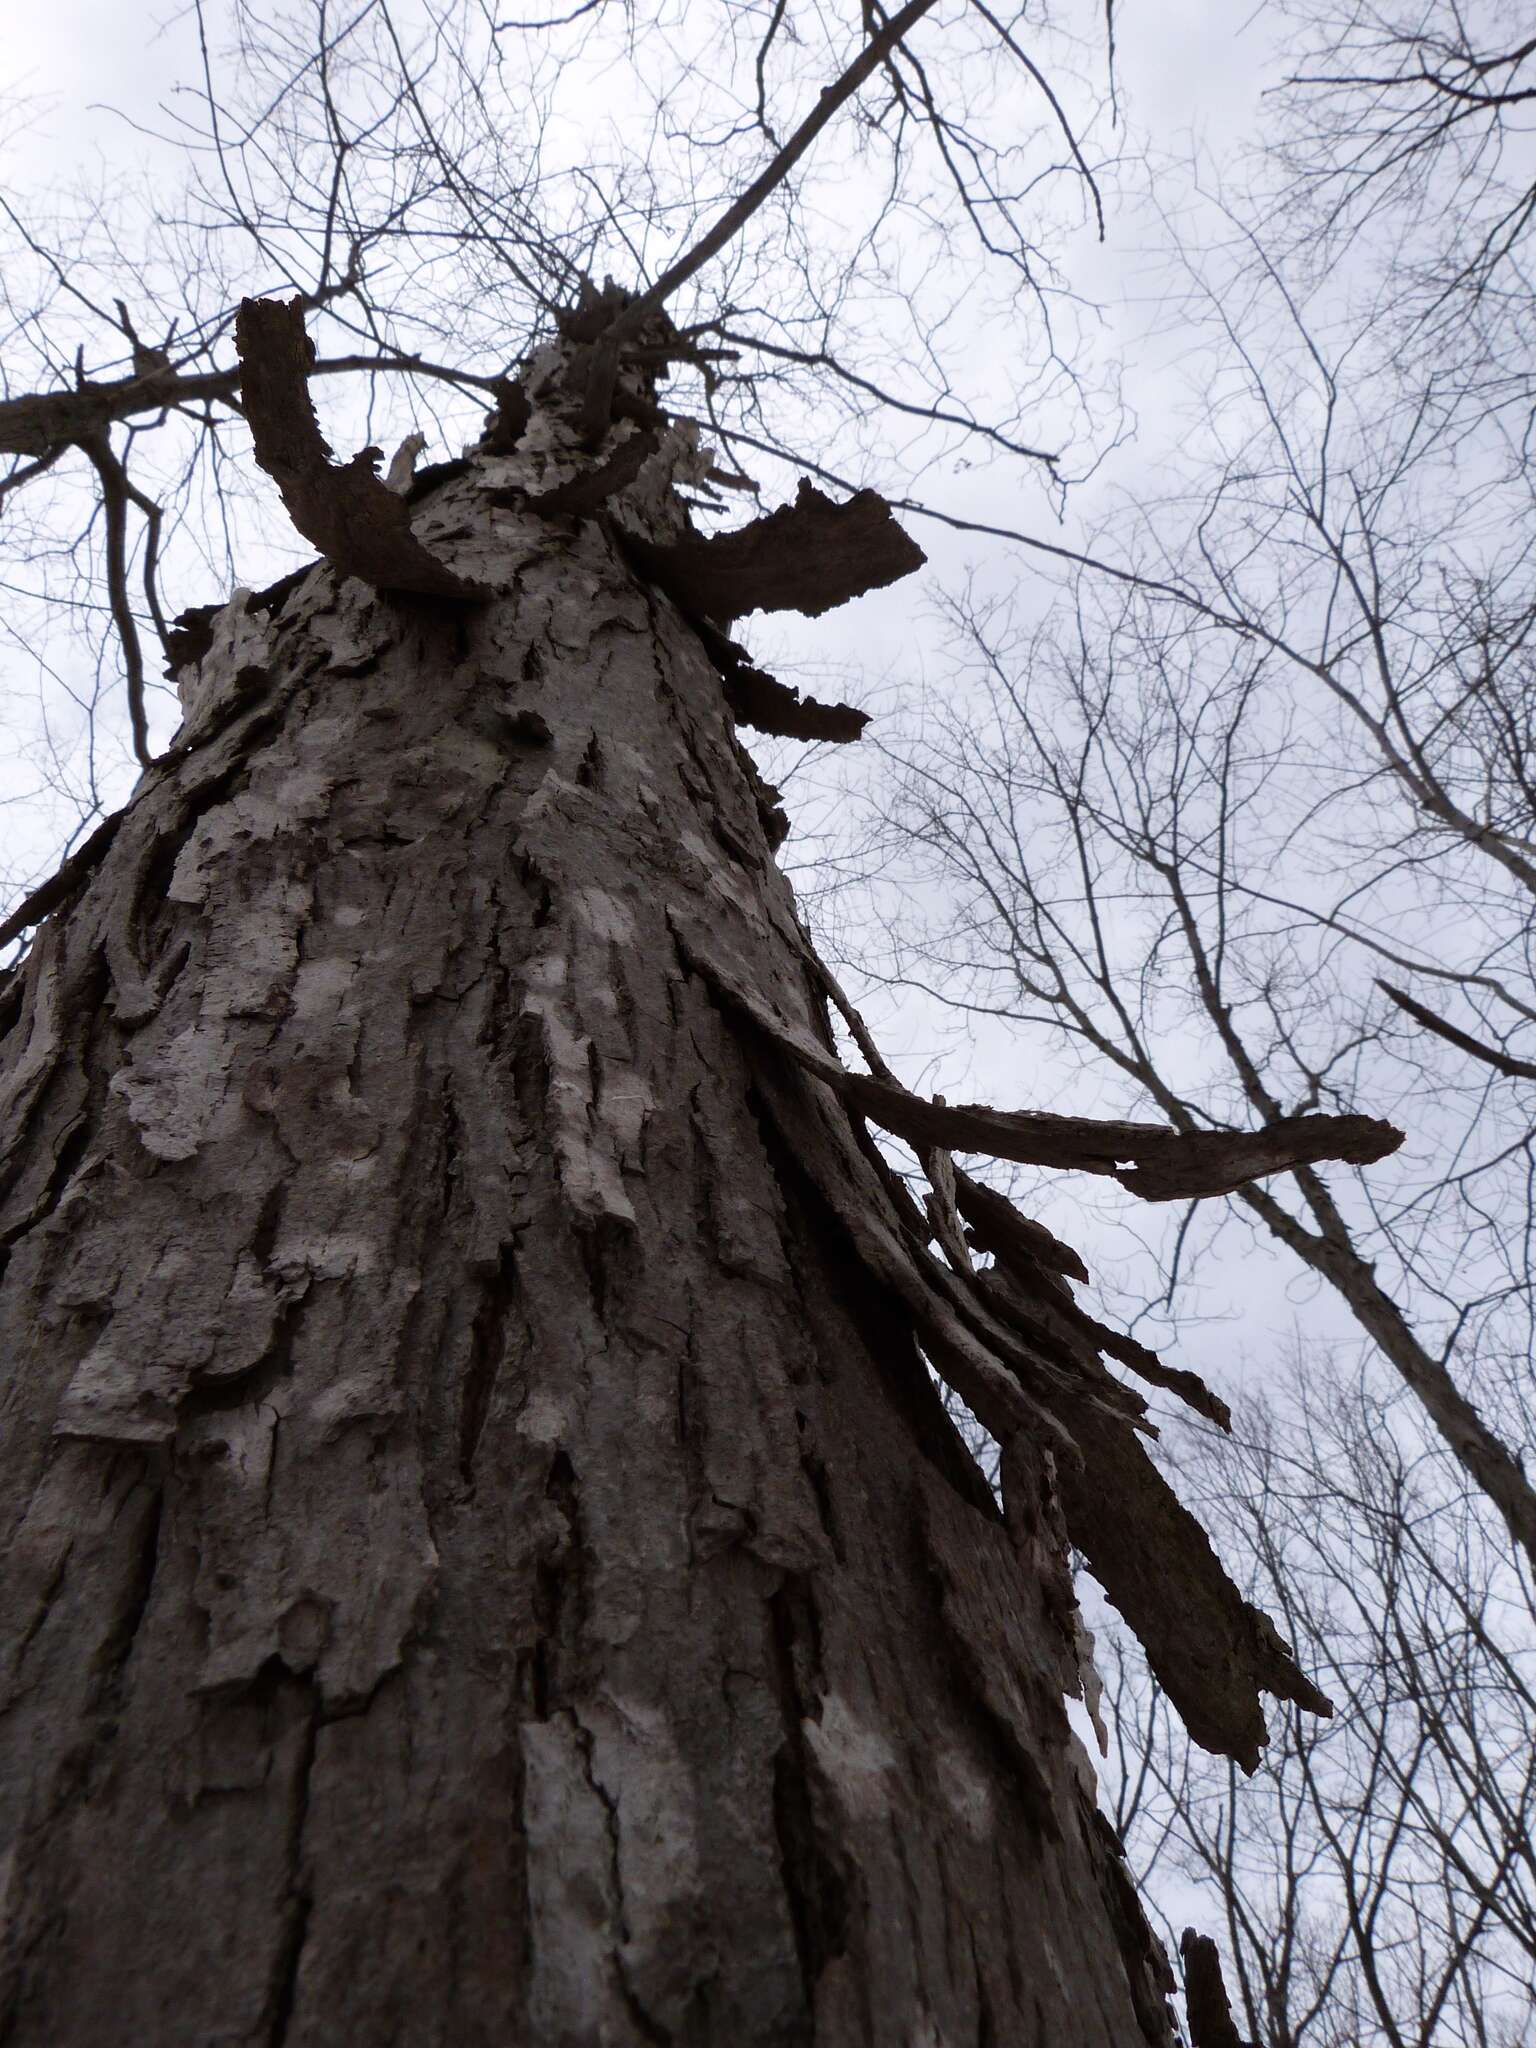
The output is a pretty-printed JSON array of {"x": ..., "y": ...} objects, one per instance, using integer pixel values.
[
  {"x": 484, "y": 1558},
  {"x": 1210, "y": 2012}
]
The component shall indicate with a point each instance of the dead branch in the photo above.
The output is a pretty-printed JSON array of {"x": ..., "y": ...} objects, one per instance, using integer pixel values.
[
  {"x": 114, "y": 502},
  {"x": 1166, "y": 1165},
  {"x": 806, "y": 557},
  {"x": 360, "y": 525},
  {"x": 999, "y": 1228}
]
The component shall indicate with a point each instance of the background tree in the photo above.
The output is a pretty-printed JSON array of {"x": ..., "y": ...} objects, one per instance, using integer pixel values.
[
  {"x": 1375, "y": 1878},
  {"x": 1245, "y": 823},
  {"x": 485, "y": 1556},
  {"x": 1420, "y": 116},
  {"x": 1137, "y": 849}
]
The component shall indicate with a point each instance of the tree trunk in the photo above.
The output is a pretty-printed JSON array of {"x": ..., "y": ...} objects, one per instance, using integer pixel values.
[
  {"x": 486, "y": 1561},
  {"x": 1489, "y": 1463}
]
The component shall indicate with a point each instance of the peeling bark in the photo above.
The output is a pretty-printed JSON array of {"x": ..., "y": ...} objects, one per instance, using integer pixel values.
[
  {"x": 1210, "y": 2013},
  {"x": 485, "y": 1560},
  {"x": 582, "y": 494},
  {"x": 997, "y": 1226},
  {"x": 1166, "y": 1164},
  {"x": 1211, "y": 1651},
  {"x": 767, "y": 705},
  {"x": 63, "y": 884}
]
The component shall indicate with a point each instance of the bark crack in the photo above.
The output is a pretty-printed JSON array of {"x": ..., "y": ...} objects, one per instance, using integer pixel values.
[
  {"x": 490, "y": 1334},
  {"x": 295, "y": 1902},
  {"x": 119, "y": 1646},
  {"x": 816, "y": 1890}
]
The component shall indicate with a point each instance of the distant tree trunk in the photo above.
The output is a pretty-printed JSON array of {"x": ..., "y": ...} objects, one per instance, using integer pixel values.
[{"x": 485, "y": 1560}]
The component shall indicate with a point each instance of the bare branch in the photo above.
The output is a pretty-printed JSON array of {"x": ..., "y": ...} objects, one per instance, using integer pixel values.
[
  {"x": 1502, "y": 1062},
  {"x": 831, "y": 99}
]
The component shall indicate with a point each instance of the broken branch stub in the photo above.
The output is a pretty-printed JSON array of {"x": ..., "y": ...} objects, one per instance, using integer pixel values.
[
  {"x": 806, "y": 557},
  {"x": 361, "y": 526}
]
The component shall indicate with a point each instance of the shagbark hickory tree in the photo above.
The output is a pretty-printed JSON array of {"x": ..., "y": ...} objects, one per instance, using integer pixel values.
[{"x": 485, "y": 1556}]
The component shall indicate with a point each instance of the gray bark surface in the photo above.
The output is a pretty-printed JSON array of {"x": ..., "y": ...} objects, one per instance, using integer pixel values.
[{"x": 484, "y": 1560}]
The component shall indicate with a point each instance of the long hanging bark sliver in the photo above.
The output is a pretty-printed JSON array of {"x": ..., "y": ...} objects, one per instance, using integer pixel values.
[
  {"x": 1210, "y": 2012},
  {"x": 1212, "y": 1652},
  {"x": 1165, "y": 1165}
]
